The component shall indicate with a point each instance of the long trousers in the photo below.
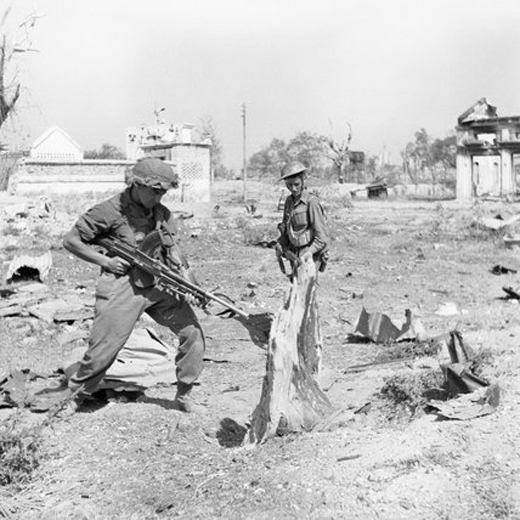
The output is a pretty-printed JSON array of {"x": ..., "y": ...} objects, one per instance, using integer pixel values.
[{"x": 119, "y": 305}]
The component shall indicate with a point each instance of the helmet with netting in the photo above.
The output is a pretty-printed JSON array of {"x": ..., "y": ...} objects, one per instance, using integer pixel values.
[{"x": 153, "y": 172}]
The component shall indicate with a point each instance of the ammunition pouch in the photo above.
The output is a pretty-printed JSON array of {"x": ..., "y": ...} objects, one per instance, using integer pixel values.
[{"x": 323, "y": 259}]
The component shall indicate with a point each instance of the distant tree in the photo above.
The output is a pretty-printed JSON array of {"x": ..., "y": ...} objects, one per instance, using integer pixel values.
[
  {"x": 429, "y": 160},
  {"x": 423, "y": 150},
  {"x": 7, "y": 99},
  {"x": 444, "y": 152},
  {"x": 391, "y": 173},
  {"x": 338, "y": 153},
  {"x": 417, "y": 157},
  {"x": 206, "y": 129},
  {"x": 371, "y": 166},
  {"x": 410, "y": 163},
  {"x": 309, "y": 149},
  {"x": 268, "y": 161},
  {"x": 306, "y": 147},
  {"x": 107, "y": 151}
]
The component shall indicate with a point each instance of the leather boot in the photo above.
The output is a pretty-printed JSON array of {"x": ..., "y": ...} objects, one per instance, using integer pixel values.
[
  {"x": 183, "y": 400},
  {"x": 70, "y": 404}
]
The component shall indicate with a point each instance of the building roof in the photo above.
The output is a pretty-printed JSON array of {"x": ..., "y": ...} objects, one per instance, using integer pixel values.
[
  {"x": 481, "y": 109},
  {"x": 51, "y": 131}
]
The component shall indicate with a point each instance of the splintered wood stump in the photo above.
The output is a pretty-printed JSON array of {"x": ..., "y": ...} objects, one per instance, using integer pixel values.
[{"x": 291, "y": 398}]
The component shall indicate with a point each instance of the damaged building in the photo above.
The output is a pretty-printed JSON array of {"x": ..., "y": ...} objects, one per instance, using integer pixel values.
[{"x": 488, "y": 153}]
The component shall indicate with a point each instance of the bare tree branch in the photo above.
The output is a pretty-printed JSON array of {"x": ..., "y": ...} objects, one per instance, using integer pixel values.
[
  {"x": 10, "y": 89},
  {"x": 340, "y": 152}
]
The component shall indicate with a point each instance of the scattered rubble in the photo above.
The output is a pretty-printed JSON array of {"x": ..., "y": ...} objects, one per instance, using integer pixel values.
[
  {"x": 469, "y": 406},
  {"x": 144, "y": 362},
  {"x": 35, "y": 299},
  {"x": 26, "y": 267},
  {"x": 447, "y": 309},
  {"x": 500, "y": 269},
  {"x": 498, "y": 222},
  {"x": 379, "y": 328},
  {"x": 511, "y": 292}
]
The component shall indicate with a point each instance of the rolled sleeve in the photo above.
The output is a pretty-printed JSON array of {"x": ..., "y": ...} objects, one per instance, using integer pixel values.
[{"x": 97, "y": 221}]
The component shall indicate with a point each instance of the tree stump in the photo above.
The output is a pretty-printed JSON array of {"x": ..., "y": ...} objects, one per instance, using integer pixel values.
[{"x": 291, "y": 398}]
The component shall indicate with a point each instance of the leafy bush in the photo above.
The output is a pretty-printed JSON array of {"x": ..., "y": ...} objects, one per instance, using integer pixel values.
[
  {"x": 408, "y": 392},
  {"x": 107, "y": 151},
  {"x": 19, "y": 451},
  {"x": 408, "y": 349}
]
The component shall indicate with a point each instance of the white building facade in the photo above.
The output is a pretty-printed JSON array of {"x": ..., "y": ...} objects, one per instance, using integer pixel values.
[
  {"x": 175, "y": 145},
  {"x": 55, "y": 145}
]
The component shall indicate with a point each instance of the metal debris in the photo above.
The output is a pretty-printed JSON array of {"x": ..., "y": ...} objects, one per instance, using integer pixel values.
[
  {"x": 27, "y": 267},
  {"x": 379, "y": 328}
]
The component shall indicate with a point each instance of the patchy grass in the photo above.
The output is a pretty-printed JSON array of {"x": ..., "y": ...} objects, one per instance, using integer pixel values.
[
  {"x": 406, "y": 394},
  {"x": 11, "y": 229},
  {"x": 256, "y": 233},
  {"x": 482, "y": 359},
  {"x": 20, "y": 451},
  {"x": 456, "y": 223},
  {"x": 492, "y": 487},
  {"x": 442, "y": 223},
  {"x": 408, "y": 349}
]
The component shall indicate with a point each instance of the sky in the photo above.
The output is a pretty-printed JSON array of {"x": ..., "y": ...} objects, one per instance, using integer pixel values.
[{"x": 387, "y": 68}]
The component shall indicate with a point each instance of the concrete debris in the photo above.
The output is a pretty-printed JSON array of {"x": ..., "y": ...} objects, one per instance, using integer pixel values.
[
  {"x": 35, "y": 300},
  {"x": 36, "y": 288},
  {"x": 60, "y": 310},
  {"x": 71, "y": 336},
  {"x": 512, "y": 241},
  {"x": 17, "y": 301},
  {"x": 498, "y": 222},
  {"x": 447, "y": 309},
  {"x": 28, "y": 209}
]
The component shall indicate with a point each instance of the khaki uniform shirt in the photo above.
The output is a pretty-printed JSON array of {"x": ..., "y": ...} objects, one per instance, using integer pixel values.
[
  {"x": 121, "y": 218},
  {"x": 303, "y": 225}
]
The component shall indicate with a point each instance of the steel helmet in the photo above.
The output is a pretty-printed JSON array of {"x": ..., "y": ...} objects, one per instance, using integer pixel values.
[
  {"x": 153, "y": 172},
  {"x": 292, "y": 168}
]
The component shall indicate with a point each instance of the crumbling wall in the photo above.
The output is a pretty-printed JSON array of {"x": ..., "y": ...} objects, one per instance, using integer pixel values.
[
  {"x": 40, "y": 177},
  {"x": 35, "y": 177}
]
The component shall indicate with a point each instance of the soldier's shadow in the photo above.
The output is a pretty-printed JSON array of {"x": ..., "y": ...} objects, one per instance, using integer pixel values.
[{"x": 231, "y": 434}]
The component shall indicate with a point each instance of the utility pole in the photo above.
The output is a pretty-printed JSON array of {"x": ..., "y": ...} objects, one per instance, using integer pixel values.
[{"x": 244, "y": 159}]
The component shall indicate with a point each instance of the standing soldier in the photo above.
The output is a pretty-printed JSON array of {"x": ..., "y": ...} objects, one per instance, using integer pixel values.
[
  {"x": 123, "y": 293},
  {"x": 303, "y": 229}
]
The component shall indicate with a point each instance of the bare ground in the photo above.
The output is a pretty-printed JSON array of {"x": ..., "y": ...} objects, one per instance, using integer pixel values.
[{"x": 144, "y": 460}]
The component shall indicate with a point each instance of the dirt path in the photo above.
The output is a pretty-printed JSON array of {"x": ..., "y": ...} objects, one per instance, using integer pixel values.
[{"x": 145, "y": 460}]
